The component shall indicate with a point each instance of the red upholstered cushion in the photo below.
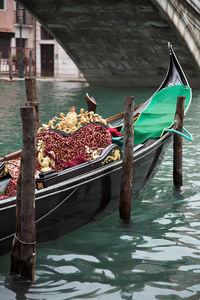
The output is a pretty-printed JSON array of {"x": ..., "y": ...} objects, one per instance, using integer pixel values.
[
  {"x": 12, "y": 187},
  {"x": 13, "y": 167},
  {"x": 3, "y": 197},
  {"x": 115, "y": 132},
  {"x": 66, "y": 149}
]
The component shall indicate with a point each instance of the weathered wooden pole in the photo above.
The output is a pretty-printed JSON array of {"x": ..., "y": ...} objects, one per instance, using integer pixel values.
[
  {"x": 177, "y": 157},
  {"x": 32, "y": 98},
  {"x": 30, "y": 64},
  {"x": 127, "y": 163},
  {"x": 0, "y": 62},
  {"x": 10, "y": 66},
  {"x": 23, "y": 249},
  {"x": 91, "y": 103}
]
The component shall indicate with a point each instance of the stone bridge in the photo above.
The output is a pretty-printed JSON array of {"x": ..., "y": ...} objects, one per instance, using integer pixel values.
[{"x": 124, "y": 42}]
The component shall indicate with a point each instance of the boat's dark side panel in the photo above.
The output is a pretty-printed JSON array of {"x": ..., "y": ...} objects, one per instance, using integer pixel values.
[{"x": 144, "y": 168}]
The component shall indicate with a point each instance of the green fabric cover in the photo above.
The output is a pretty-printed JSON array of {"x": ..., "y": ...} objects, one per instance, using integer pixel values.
[
  {"x": 119, "y": 140},
  {"x": 160, "y": 113}
]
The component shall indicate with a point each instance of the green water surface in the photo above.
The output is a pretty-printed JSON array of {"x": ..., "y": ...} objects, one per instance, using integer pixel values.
[{"x": 158, "y": 257}]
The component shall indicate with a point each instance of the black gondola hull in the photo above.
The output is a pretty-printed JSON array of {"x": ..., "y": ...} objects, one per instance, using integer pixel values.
[{"x": 68, "y": 205}]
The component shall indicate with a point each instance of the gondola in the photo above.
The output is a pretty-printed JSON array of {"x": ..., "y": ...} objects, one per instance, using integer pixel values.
[{"x": 78, "y": 194}]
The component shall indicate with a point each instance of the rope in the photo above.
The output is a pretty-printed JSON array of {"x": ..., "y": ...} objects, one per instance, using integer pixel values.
[
  {"x": 7, "y": 237},
  {"x": 41, "y": 218},
  {"x": 22, "y": 242},
  {"x": 57, "y": 206},
  {"x": 188, "y": 136}
]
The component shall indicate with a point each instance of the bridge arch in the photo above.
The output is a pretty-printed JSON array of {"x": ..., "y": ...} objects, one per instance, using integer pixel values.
[
  {"x": 186, "y": 18},
  {"x": 121, "y": 43}
]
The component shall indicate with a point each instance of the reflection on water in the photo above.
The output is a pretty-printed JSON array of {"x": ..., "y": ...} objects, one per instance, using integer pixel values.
[{"x": 158, "y": 257}]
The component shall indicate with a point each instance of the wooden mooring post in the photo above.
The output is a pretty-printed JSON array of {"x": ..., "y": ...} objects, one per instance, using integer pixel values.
[
  {"x": 23, "y": 249},
  {"x": 10, "y": 66},
  {"x": 32, "y": 98},
  {"x": 30, "y": 64},
  {"x": 177, "y": 145},
  {"x": 0, "y": 62},
  {"x": 91, "y": 103},
  {"x": 127, "y": 163}
]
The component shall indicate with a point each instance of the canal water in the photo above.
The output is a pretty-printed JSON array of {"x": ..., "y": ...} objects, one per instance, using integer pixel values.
[{"x": 158, "y": 257}]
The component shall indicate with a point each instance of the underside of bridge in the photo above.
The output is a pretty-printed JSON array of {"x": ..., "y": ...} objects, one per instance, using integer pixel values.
[{"x": 115, "y": 42}]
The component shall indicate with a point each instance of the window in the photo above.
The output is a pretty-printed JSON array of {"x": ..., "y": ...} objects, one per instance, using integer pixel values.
[
  {"x": 2, "y": 4},
  {"x": 45, "y": 35},
  {"x": 4, "y": 47},
  {"x": 23, "y": 43}
]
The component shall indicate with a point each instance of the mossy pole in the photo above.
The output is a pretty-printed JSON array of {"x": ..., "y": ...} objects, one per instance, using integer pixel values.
[
  {"x": 177, "y": 145},
  {"x": 127, "y": 163},
  {"x": 31, "y": 95},
  {"x": 23, "y": 249}
]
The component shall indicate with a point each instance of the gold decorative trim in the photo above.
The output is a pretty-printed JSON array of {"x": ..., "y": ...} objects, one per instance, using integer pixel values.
[
  {"x": 72, "y": 121},
  {"x": 115, "y": 156},
  {"x": 93, "y": 154},
  {"x": 40, "y": 185},
  {"x": 46, "y": 161},
  {"x": 4, "y": 172}
]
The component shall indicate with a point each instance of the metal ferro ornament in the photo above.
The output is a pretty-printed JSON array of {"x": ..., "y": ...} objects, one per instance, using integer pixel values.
[{"x": 114, "y": 157}]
